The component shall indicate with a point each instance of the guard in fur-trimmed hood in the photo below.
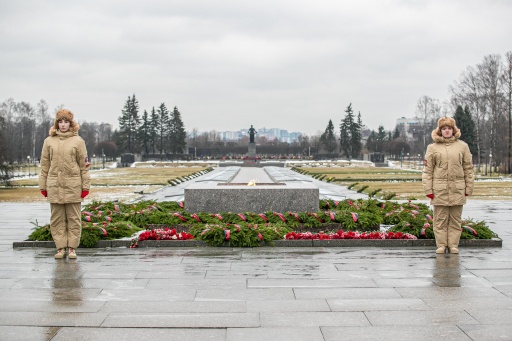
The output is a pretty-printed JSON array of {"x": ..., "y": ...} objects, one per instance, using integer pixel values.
[
  {"x": 447, "y": 179},
  {"x": 65, "y": 181}
]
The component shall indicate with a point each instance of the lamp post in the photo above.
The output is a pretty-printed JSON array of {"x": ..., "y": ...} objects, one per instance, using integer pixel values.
[
  {"x": 401, "y": 157},
  {"x": 28, "y": 161},
  {"x": 93, "y": 160},
  {"x": 103, "y": 156},
  {"x": 418, "y": 163},
  {"x": 490, "y": 164}
]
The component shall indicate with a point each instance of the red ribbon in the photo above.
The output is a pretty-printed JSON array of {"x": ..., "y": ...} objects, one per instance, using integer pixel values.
[
  {"x": 179, "y": 216},
  {"x": 262, "y": 216},
  {"x": 354, "y": 216}
]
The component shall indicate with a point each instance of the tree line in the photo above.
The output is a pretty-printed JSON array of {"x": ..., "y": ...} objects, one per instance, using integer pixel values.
[
  {"x": 160, "y": 132},
  {"x": 480, "y": 101},
  {"x": 23, "y": 128}
]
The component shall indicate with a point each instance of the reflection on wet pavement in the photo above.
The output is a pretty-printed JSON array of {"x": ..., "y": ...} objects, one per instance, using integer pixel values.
[
  {"x": 447, "y": 271},
  {"x": 67, "y": 282}
]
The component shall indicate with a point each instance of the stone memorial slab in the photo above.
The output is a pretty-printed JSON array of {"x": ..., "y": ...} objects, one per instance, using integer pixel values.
[{"x": 238, "y": 198}]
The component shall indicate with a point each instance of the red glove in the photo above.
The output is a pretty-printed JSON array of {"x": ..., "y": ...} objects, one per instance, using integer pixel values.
[
  {"x": 44, "y": 193},
  {"x": 84, "y": 194},
  {"x": 431, "y": 196}
]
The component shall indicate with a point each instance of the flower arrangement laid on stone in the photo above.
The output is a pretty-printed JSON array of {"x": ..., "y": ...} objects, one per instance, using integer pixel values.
[
  {"x": 347, "y": 219},
  {"x": 348, "y": 235},
  {"x": 160, "y": 234}
]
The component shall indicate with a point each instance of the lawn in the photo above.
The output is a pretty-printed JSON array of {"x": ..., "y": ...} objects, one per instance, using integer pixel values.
[
  {"x": 406, "y": 183},
  {"x": 106, "y": 184}
]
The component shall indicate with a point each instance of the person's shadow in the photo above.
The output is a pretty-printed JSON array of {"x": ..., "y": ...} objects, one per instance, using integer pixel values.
[{"x": 447, "y": 271}]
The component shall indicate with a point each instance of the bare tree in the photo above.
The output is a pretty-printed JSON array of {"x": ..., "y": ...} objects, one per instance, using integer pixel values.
[
  {"x": 427, "y": 112},
  {"x": 508, "y": 86},
  {"x": 490, "y": 71},
  {"x": 469, "y": 91}
]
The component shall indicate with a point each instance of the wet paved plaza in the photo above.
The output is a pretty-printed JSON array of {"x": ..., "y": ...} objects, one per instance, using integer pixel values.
[{"x": 255, "y": 294}]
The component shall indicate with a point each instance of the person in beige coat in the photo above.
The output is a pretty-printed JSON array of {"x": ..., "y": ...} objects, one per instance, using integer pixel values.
[
  {"x": 448, "y": 179},
  {"x": 65, "y": 181}
]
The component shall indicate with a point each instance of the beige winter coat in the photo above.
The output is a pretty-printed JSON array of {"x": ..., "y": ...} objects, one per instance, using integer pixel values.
[
  {"x": 64, "y": 167},
  {"x": 448, "y": 170}
]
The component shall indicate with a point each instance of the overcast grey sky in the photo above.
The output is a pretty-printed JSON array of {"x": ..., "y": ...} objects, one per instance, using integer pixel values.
[{"x": 292, "y": 64}]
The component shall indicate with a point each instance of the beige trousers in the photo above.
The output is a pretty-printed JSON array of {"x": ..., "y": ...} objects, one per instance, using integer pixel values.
[
  {"x": 447, "y": 225},
  {"x": 66, "y": 224}
]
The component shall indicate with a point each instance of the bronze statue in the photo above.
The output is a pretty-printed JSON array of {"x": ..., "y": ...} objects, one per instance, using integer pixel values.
[{"x": 252, "y": 131}]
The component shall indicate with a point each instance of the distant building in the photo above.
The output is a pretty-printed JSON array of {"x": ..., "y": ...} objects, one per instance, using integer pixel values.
[{"x": 406, "y": 126}]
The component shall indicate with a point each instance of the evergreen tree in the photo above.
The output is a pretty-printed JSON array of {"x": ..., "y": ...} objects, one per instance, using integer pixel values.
[
  {"x": 356, "y": 136},
  {"x": 328, "y": 138},
  {"x": 177, "y": 133},
  {"x": 144, "y": 133},
  {"x": 467, "y": 127},
  {"x": 162, "y": 126},
  {"x": 346, "y": 131},
  {"x": 381, "y": 139},
  {"x": 371, "y": 142},
  {"x": 128, "y": 124},
  {"x": 153, "y": 130}
]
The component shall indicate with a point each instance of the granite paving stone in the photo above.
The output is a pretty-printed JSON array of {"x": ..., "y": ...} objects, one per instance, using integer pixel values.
[
  {"x": 378, "y": 304},
  {"x": 67, "y": 294},
  {"x": 450, "y": 293},
  {"x": 24, "y": 333},
  {"x": 310, "y": 293},
  {"x": 469, "y": 303},
  {"x": 421, "y": 318},
  {"x": 310, "y": 283},
  {"x": 111, "y": 283},
  {"x": 8, "y": 283},
  {"x": 52, "y": 319},
  {"x": 488, "y": 332},
  {"x": 505, "y": 289},
  {"x": 404, "y": 282},
  {"x": 491, "y": 316},
  {"x": 245, "y": 295},
  {"x": 187, "y": 294},
  {"x": 112, "y": 274},
  {"x": 16, "y": 305},
  {"x": 161, "y": 274},
  {"x": 140, "y": 306},
  {"x": 282, "y": 333},
  {"x": 313, "y": 319},
  {"x": 177, "y": 284},
  {"x": 182, "y": 320},
  {"x": 395, "y": 333},
  {"x": 210, "y": 274},
  {"x": 287, "y": 306},
  {"x": 500, "y": 281},
  {"x": 140, "y": 334},
  {"x": 326, "y": 274}
]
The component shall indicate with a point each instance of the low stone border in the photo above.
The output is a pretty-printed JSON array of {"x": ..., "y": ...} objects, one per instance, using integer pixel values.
[{"x": 495, "y": 242}]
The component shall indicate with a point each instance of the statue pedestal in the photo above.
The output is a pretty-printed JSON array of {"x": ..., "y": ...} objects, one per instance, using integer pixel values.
[{"x": 252, "y": 150}]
